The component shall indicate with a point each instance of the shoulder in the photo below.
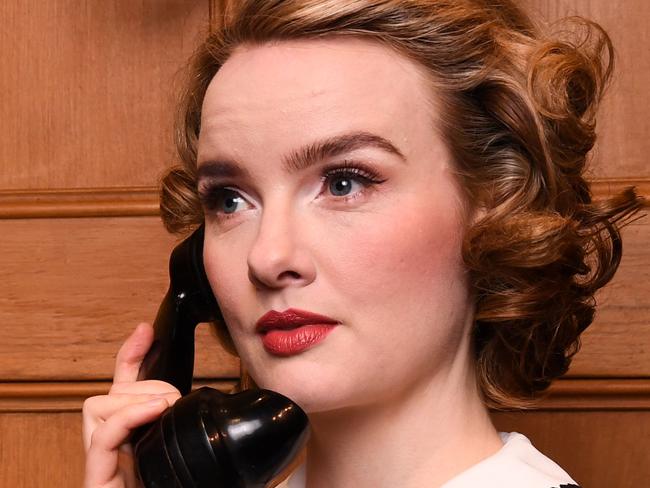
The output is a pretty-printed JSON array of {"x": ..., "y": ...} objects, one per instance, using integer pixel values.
[{"x": 518, "y": 463}]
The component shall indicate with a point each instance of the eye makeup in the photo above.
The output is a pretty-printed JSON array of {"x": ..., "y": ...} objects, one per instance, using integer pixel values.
[{"x": 220, "y": 198}]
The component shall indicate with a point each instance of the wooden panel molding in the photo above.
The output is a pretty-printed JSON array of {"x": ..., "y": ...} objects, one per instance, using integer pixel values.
[
  {"x": 89, "y": 202},
  {"x": 143, "y": 201},
  {"x": 67, "y": 396},
  {"x": 597, "y": 394},
  {"x": 602, "y": 188},
  {"x": 564, "y": 394}
]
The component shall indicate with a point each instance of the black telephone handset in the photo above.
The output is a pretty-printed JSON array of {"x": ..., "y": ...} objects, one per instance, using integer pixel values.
[{"x": 208, "y": 439}]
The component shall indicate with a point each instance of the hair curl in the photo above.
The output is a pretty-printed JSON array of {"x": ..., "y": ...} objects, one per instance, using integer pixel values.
[{"x": 519, "y": 110}]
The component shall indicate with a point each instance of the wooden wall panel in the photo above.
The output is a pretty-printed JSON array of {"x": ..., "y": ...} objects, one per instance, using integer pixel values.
[
  {"x": 41, "y": 450},
  {"x": 598, "y": 449},
  {"x": 624, "y": 124},
  {"x": 618, "y": 342},
  {"x": 612, "y": 458},
  {"x": 76, "y": 294},
  {"x": 87, "y": 97}
]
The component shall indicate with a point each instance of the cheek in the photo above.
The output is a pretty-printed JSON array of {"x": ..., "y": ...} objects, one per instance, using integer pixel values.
[
  {"x": 404, "y": 285},
  {"x": 404, "y": 288},
  {"x": 409, "y": 251},
  {"x": 226, "y": 272}
]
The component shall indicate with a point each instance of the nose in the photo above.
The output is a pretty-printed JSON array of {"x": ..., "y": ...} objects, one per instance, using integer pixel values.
[{"x": 279, "y": 256}]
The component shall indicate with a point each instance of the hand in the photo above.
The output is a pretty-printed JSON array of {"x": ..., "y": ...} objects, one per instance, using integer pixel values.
[{"x": 109, "y": 419}]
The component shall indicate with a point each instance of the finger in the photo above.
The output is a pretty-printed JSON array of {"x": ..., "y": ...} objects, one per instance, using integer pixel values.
[
  {"x": 127, "y": 466},
  {"x": 138, "y": 387},
  {"x": 102, "y": 458},
  {"x": 98, "y": 409},
  {"x": 131, "y": 354}
]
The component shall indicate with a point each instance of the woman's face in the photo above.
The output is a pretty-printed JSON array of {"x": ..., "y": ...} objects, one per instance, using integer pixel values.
[{"x": 326, "y": 188}]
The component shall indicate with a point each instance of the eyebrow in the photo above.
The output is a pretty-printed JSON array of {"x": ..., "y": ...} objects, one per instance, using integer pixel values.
[{"x": 305, "y": 156}]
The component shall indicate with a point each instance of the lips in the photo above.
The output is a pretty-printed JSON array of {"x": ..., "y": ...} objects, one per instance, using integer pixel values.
[{"x": 290, "y": 319}]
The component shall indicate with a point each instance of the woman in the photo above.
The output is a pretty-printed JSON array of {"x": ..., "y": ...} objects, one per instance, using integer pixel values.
[{"x": 412, "y": 171}]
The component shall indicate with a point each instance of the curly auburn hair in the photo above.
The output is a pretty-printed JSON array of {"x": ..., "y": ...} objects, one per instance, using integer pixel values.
[{"x": 518, "y": 109}]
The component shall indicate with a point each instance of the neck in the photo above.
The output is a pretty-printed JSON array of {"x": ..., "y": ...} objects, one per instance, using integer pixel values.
[{"x": 423, "y": 436}]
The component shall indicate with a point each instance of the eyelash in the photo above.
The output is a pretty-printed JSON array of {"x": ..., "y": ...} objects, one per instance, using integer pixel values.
[
  {"x": 367, "y": 176},
  {"x": 212, "y": 194}
]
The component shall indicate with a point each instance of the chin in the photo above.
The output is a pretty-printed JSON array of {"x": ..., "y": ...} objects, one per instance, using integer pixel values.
[
  {"x": 312, "y": 393},
  {"x": 317, "y": 403}
]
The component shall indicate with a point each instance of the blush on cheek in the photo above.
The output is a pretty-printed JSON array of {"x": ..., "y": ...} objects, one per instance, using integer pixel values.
[
  {"x": 411, "y": 245},
  {"x": 405, "y": 270}
]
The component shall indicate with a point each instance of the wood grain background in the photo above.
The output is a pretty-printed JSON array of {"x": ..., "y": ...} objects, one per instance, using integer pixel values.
[{"x": 87, "y": 97}]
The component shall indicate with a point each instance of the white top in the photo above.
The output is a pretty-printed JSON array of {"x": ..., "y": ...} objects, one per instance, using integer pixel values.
[{"x": 516, "y": 465}]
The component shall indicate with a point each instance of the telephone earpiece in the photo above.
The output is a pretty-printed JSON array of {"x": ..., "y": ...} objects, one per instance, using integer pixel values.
[{"x": 208, "y": 439}]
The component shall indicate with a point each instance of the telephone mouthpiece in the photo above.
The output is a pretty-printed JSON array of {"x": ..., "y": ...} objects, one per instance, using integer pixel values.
[{"x": 211, "y": 439}]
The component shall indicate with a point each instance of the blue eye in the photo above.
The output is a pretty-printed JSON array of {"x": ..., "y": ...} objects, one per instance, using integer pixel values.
[
  {"x": 221, "y": 201},
  {"x": 341, "y": 185},
  {"x": 230, "y": 199},
  {"x": 349, "y": 179}
]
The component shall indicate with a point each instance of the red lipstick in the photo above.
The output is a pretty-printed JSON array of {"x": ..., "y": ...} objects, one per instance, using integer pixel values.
[{"x": 293, "y": 331}]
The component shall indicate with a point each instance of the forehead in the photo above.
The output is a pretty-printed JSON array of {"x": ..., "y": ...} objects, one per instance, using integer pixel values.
[{"x": 313, "y": 88}]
